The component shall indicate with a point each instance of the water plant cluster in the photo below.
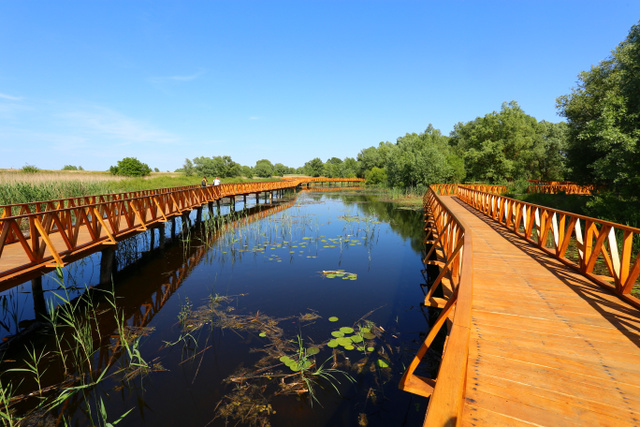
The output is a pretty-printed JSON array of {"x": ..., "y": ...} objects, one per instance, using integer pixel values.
[
  {"x": 292, "y": 363},
  {"x": 86, "y": 342}
]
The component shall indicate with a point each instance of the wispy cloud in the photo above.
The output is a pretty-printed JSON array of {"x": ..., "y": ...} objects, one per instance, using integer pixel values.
[
  {"x": 162, "y": 80},
  {"x": 10, "y": 97},
  {"x": 114, "y": 125},
  {"x": 255, "y": 118}
]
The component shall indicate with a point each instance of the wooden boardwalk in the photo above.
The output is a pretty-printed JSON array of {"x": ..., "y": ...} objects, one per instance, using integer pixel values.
[{"x": 547, "y": 346}]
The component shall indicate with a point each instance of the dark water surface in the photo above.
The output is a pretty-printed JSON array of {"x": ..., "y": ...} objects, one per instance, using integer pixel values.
[{"x": 219, "y": 311}]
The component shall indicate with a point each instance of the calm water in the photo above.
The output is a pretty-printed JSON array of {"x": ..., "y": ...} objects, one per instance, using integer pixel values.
[{"x": 220, "y": 309}]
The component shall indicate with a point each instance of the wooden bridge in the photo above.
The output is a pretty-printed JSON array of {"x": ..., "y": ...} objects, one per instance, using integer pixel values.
[
  {"x": 36, "y": 237},
  {"x": 541, "y": 327}
]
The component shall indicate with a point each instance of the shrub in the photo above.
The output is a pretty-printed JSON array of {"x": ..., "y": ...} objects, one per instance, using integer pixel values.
[{"x": 130, "y": 166}]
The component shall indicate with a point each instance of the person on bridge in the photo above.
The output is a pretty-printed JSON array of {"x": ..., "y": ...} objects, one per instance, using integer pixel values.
[
  {"x": 204, "y": 181},
  {"x": 216, "y": 181}
]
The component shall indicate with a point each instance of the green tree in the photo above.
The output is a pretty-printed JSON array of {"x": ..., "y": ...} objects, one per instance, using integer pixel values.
[
  {"x": 333, "y": 168},
  {"x": 419, "y": 160},
  {"x": 349, "y": 167},
  {"x": 314, "y": 167},
  {"x": 70, "y": 168},
  {"x": 603, "y": 117},
  {"x": 500, "y": 145},
  {"x": 188, "y": 167},
  {"x": 551, "y": 152},
  {"x": 246, "y": 171},
  {"x": 281, "y": 169},
  {"x": 264, "y": 168},
  {"x": 376, "y": 175},
  {"x": 130, "y": 166},
  {"x": 221, "y": 166},
  {"x": 371, "y": 157}
]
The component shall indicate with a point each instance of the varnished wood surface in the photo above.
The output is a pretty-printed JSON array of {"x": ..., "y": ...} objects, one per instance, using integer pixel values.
[{"x": 547, "y": 346}]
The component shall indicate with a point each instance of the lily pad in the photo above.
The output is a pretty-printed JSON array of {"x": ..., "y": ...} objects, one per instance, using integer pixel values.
[
  {"x": 370, "y": 349},
  {"x": 346, "y": 330},
  {"x": 349, "y": 347},
  {"x": 333, "y": 319},
  {"x": 285, "y": 359},
  {"x": 337, "y": 334},
  {"x": 312, "y": 351},
  {"x": 357, "y": 339},
  {"x": 333, "y": 343},
  {"x": 262, "y": 334},
  {"x": 383, "y": 363},
  {"x": 368, "y": 335}
]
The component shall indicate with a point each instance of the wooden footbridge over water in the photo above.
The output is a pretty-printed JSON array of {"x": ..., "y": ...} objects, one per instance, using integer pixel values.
[
  {"x": 541, "y": 325},
  {"x": 36, "y": 237}
]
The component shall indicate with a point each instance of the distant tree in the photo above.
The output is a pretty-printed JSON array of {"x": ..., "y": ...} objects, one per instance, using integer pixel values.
[
  {"x": 264, "y": 168},
  {"x": 314, "y": 167},
  {"x": 499, "y": 146},
  {"x": 156, "y": 170},
  {"x": 247, "y": 171},
  {"x": 80, "y": 168},
  {"x": 349, "y": 168},
  {"x": 419, "y": 160},
  {"x": 30, "y": 169},
  {"x": 376, "y": 175},
  {"x": 70, "y": 168},
  {"x": 130, "y": 166},
  {"x": 551, "y": 152},
  {"x": 333, "y": 168},
  {"x": 281, "y": 169},
  {"x": 187, "y": 168},
  {"x": 221, "y": 166},
  {"x": 373, "y": 157}
]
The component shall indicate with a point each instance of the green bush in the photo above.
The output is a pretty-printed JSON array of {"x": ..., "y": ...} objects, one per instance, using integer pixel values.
[
  {"x": 30, "y": 169},
  {"x": 130, "y": 166}
]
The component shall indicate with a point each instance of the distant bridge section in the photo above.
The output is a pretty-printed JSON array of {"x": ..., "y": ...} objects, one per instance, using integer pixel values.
[{"x": 35, "y": 237}]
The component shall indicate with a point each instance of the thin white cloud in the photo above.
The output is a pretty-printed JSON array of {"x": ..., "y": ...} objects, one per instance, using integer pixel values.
[
  {"x": 10, "y": 97},
  {"x": 255, "y": 118},
  {"x": 114, "y": 125},
  {"x": 161, "y": 80}
]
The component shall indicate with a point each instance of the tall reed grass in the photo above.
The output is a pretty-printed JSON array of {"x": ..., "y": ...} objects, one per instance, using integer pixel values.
[{"x": 17, "y": 186}]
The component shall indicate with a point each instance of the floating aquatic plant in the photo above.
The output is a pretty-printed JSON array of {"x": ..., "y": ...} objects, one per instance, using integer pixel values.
[{"x": 332, "y": 274}]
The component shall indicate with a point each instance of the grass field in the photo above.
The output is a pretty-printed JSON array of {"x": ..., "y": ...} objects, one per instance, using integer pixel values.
[{"x": 17, "y": 186}]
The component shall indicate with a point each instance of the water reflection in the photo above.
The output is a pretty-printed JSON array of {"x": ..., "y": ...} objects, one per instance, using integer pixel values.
[{"x": 217, "y": 312}]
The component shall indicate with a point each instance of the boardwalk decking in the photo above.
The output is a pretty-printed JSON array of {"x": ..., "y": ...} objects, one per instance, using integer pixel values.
[{"x": 548, "y": 346}]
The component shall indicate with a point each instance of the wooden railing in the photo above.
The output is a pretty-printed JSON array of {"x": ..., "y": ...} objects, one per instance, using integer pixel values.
[
  {"x": 81, "y": 224},
  {"x": 452, "y": 246},
  {"x": 555, "y": 187},
  {"x": 601, "y": 250}
]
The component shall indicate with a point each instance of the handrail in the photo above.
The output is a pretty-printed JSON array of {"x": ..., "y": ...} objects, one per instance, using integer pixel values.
[
  {"x": 451, "y": 241},
  {"x": 579, "y": 241},
  {"x": 555, "y": 187},
  {"x": 105, "y": 219}
]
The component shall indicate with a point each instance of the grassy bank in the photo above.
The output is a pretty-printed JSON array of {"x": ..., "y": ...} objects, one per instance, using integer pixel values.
[{"x": 17, "y": 186}]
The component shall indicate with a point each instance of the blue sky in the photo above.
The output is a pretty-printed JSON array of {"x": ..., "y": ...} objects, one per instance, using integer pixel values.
[{"x": 90, "y": 82}]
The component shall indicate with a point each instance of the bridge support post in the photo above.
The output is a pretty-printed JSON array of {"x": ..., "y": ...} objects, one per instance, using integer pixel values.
[
  {"x": 218, "y": 207},
  {"x": 162, "y": 237},
  {"x": 153, "y": 238},
  {"x": 245, "y": 202},
  {"x": 173, "y": 228},
  {"x": 211, "y": 208},
  {"x": 108, "y": 264},
  {"x": 198, "y": 214},
  {"x": 257, "y": 198},
  {"x": 232, "y": 203},
  {"x": 39, "y": 304},
  {"x": 185, "y": 221}
]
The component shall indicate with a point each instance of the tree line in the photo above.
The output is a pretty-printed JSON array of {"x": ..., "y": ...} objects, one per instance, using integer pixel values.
[{"x": 597, "y": 144}]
